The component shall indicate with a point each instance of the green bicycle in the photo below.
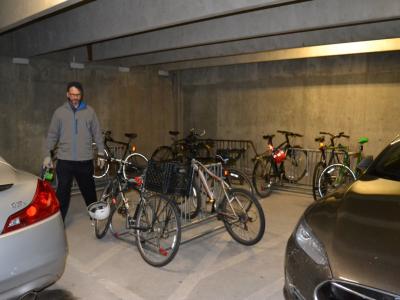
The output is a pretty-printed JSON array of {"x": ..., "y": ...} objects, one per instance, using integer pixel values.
[{"x": 339, "y": 174}]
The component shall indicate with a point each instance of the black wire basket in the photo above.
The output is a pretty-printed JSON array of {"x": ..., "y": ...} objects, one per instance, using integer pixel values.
[{"x": 169, "y": 178}]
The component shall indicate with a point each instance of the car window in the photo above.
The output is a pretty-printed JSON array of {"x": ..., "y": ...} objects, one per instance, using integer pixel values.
[{"x": 387, "y": 164}]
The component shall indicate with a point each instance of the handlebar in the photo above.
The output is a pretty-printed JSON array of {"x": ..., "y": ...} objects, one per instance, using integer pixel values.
[
  {"x": 339, "y": 135},
  {"x": 193, "y": 132},
  {"x": 289, "y": 133}
]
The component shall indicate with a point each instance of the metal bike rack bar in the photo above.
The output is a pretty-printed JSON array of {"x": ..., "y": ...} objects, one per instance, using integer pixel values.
[
  {"x": 304, "y": 186},
  {"x": 206, "y": 217},
  {"x": 245, "y": 162}
]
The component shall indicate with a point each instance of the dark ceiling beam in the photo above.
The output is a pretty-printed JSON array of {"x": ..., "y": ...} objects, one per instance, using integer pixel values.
[
  {"x": 103, "y": 19},
  {"x": 14, "y": 13},
  {"x": 362, "y": 32},
  {"x": 303, "y": 16}
]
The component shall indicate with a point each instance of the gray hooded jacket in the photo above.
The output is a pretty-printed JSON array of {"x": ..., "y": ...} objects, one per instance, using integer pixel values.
[{"x": 74, "y": 132}]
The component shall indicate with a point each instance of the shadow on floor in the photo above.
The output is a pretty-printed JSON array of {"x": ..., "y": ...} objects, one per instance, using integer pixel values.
[{"x": 51, "y": 295}]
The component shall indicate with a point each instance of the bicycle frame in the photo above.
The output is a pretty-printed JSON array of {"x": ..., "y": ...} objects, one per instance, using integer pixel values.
[
  {"x": 201, "y": 169},
  {"x": 120, "y": 188}
]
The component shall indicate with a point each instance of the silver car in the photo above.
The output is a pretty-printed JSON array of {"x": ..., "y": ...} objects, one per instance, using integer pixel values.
[{"x": 33, "y": 246}]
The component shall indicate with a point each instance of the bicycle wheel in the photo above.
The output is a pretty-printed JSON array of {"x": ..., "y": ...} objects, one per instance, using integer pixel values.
[
  {"x": 333, "y": 177},
  {"x": 243, "y": 217},
  {"x": 134, "y": 165},
  {"x": 319, "y": 167},
  {"x": 238, "y": 179},
  {"x": 263, "y": 173},
  {"x": 189, "y": 206},
  {"x": 159, "y": 233},
  {"x": 100, "y": 172},
  {"x": 163, "y": 153},
  {"x": 101, "y": 226},
  {"x": 295, "y": 164}
]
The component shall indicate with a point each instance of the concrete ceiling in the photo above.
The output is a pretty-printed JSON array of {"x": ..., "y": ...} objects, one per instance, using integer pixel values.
[{"x": 142, "y": 32}]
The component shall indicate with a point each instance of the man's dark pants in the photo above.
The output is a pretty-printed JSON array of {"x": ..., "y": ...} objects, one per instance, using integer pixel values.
[{"x": 83, "y": 172}]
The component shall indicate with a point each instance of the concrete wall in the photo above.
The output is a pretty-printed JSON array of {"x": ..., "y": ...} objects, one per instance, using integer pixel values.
[
  {"x": 139, "y": 101},
  {"x": 356, "y": 94}
]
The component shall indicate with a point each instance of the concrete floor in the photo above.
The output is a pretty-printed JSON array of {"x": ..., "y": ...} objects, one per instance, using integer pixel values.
[{"x": 212, "y": 267}]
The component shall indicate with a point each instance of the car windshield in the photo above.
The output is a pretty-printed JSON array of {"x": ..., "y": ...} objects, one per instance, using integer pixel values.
[{"x": 387, "y": 164}]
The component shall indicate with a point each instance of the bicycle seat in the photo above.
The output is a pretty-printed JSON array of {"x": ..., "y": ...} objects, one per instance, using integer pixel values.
[
  {"x": 267, "y": 137},
  {"x": 222, "y": 159},
  {"x": 362, "y": 140},
  {"x": 131, "y": 135},
  {"x": 174, "y": 133}
]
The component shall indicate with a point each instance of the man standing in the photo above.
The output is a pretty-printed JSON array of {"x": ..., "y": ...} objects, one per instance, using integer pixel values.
[{"x": 73, "y": 127}]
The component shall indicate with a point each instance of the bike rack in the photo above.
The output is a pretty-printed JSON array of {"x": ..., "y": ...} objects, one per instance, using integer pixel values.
[
  {"x": 245, "y": 163},
  {"x": 192, "y": 227},
  {"x": 304, "y": 186}
]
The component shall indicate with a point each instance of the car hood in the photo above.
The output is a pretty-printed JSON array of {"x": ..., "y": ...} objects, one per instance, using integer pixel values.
[
  {"x": 360, "y": 230},
  {"x": 17, "y": 189}
]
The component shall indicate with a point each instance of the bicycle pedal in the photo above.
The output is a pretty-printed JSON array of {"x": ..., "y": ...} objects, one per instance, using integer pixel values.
[{"x": 131, "y": 221}]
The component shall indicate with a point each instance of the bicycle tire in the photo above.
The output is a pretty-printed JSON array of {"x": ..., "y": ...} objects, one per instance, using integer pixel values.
[
  {"x": 158, "y": 239},
  {"x": 101, "y": 226},
  {"x": 163, "y": 153},
  {"x": 134, "y": 165},
  {"x": 333, "y": 177},
  {"x": 238, "y": 179},
  {"x": 100, "y": 173},
  {"x": 262, "y": 173},
  {"x": 319, "y": 167},
  {"x": 189, "y": 206},
  {"x": 242, "y": 210},
  {"x": 295, "y": 164}
]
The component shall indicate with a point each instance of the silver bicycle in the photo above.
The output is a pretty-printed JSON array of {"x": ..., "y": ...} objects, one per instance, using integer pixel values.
[{"x": 239, "y": 210}]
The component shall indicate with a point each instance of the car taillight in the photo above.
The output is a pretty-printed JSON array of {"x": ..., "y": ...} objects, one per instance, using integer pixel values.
[{"x": 43, "y": 205}]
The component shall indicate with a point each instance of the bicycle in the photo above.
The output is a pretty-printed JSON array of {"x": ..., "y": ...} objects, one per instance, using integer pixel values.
[
  {"x": 238, "y": 209},
  {"x": 324, "y": 162},
  {"x": 152, "y": 218},
  {"x": 129, "y": 155},
  {"x": 340, "y": 174},
  {"x": 183, "y": 149},
  {"x": 190, "y": 203},
  {"x": 277, "y": 163}
]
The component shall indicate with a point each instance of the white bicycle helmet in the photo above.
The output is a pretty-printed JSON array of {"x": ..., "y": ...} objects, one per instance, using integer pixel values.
[{"x": 99, "y": 210}]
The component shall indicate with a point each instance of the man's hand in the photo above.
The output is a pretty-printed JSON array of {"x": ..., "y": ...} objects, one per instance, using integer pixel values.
[
  {"x": 47, "y": 162},
  {"x": 101, "y": 160}
]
